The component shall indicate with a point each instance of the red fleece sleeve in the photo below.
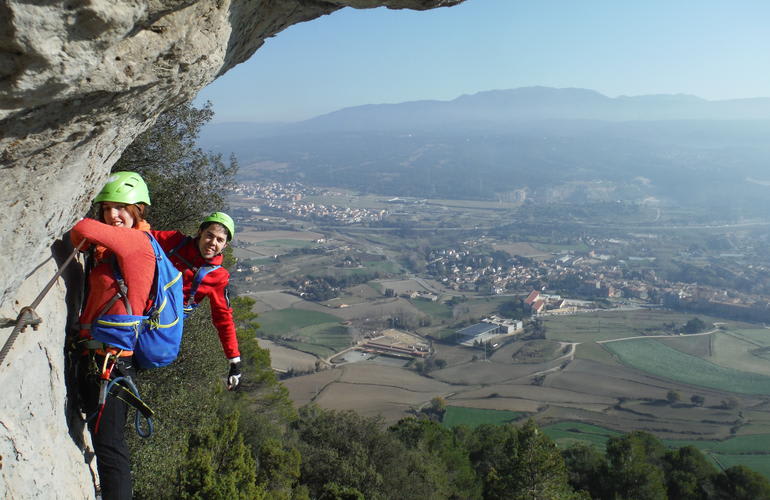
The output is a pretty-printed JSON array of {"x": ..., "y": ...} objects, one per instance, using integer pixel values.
[
  {"x": 222, "y": 317},
  {"x": 168, "y": 240}
]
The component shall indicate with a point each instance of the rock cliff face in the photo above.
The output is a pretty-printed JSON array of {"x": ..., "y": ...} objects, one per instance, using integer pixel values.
[{"x": 79, "y": 80}]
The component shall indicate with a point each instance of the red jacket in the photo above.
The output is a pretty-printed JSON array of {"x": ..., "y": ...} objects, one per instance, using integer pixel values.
[
  {"x": 213, "y": 285},
  {"x": 135, "y": 258}
]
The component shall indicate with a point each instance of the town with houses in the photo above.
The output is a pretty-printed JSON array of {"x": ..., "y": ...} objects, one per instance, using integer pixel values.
[
  {"x": 287, "y": 200},
  {"x": 589, "y": 277},
  {"x": 564, "y": 282}
]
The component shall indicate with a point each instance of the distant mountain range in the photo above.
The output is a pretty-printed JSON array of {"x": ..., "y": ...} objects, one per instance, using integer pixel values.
[
  {"x": 551, "y": 144},
  {"x": 493, "y": 108},
  {"x": 527, "y": 104}
]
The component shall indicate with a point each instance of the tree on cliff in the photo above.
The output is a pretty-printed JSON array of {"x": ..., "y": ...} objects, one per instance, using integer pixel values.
[
  {"x": 218, "y": 465},
  {"x": 185, "y": 182}
]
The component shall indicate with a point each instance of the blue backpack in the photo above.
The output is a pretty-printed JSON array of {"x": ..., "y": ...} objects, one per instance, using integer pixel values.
[{"x": 156, "y": 335}]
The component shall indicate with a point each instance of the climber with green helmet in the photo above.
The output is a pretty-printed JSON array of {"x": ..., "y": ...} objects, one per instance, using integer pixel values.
[
  {"x": 199, "y": 258},
  {"x": 118, "y": 235}
]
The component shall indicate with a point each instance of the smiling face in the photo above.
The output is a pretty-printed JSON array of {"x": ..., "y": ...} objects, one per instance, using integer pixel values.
[
  {"x": 116, "y": 214},
  {"x": 212, "y": 240}
]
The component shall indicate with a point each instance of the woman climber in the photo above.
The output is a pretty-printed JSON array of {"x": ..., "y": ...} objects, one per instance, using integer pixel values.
[{"x": 119, "y": 236}]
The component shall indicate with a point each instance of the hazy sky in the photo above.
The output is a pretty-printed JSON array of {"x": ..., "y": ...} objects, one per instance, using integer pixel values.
[{"x": 715, "y": 49}]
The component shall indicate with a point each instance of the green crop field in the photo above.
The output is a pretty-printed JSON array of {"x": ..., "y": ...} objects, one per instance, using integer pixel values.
[
  {"x": 751, "y": 451},
  {"x": 758, "y": 336},
  {"x": 482, "y": 306},
  {"x": 286, "y": 321},
  {"x": 739, "y": 445},
  {"x": 435, "y": 309},
  {"x": 653, "y": 357},
  {"x": 473, "y": 417},
  {"x": 383, "y": 266},
  {"x": 323, "y": 339},
  {"x": 758, "y": 463},
  {"x": 594, "y": 352},
  {"x": 747, "y": 349},
  {"x": 309, "y": 331}
]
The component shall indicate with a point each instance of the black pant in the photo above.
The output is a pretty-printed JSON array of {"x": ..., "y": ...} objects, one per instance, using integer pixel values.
[{"x": 110, "y": 447}]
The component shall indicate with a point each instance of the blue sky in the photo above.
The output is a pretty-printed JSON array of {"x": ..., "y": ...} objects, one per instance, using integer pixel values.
[{"x": 715, "y": 49}]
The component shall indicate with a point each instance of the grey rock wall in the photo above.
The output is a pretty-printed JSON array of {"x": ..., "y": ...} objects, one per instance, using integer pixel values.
[
  {"x": 79, "y": 80},
  {"x": 41, "y": 435}
]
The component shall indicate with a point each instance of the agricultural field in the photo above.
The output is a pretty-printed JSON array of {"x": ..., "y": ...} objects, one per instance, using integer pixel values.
[
  {"x": 566, "y": 434},
  {"x": 751, "y": 451},
  {"x": 402, "y": 286},
  {"x": 523, "y": 249},
  {"x": 383, "y": 307},
  {"x": 609, "y": 325},
  {"x": 286, "y": 321},
  {"x": 574, "y": 383},
  {"x": 694, "y": 345},
  {"x": 535, "y": 351},
  {"x": 252, "y": 237},
  {"x": 308, "y": 331},
  {"x": 437, "y": 310},
  {"x": 655, "y": 358},
  {"x": 747, "y": 349},
  {"x": 473, "y": 417},
  {"x": 272, "y": 300},
  {"x": 283, "y": 358},
  {"x": 368, "y": 388}
]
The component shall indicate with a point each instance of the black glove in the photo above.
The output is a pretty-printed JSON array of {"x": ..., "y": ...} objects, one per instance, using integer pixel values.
[{"x": 234, "y": 375}]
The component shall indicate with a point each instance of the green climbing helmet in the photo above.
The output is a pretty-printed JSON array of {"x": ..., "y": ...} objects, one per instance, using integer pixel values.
[
  {"x": 124, "y": 187},
  {"x": 225, "y": 220}
]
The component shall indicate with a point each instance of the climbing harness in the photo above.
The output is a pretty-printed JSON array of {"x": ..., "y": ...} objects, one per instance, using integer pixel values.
[
  {"x": 129, "y": 394},
  {"x": 27, "y": 316}
]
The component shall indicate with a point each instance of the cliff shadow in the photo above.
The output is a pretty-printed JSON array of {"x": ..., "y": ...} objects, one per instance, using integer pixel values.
[{"x": 73, "y": 277}]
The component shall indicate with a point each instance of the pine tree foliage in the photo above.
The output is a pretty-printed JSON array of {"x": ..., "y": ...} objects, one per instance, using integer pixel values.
[
  {"x": 186, "y": 183},
  {"x": 219, "y": 466}
]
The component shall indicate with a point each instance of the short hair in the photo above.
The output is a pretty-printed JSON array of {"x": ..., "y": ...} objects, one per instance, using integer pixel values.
[{"x": 206, "y": 224}]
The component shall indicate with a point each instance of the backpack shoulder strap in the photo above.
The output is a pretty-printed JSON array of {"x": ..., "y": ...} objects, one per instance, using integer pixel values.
[
  {"x": 122, "y": 292},
  {"x": 174, "y": 251},
  {"x": 198, "y": 279}
]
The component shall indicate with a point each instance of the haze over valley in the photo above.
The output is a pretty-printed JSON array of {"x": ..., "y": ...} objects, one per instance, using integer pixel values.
[
  {"x": 545, "y": 253},
  {"x": 540, "y": 144}
]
